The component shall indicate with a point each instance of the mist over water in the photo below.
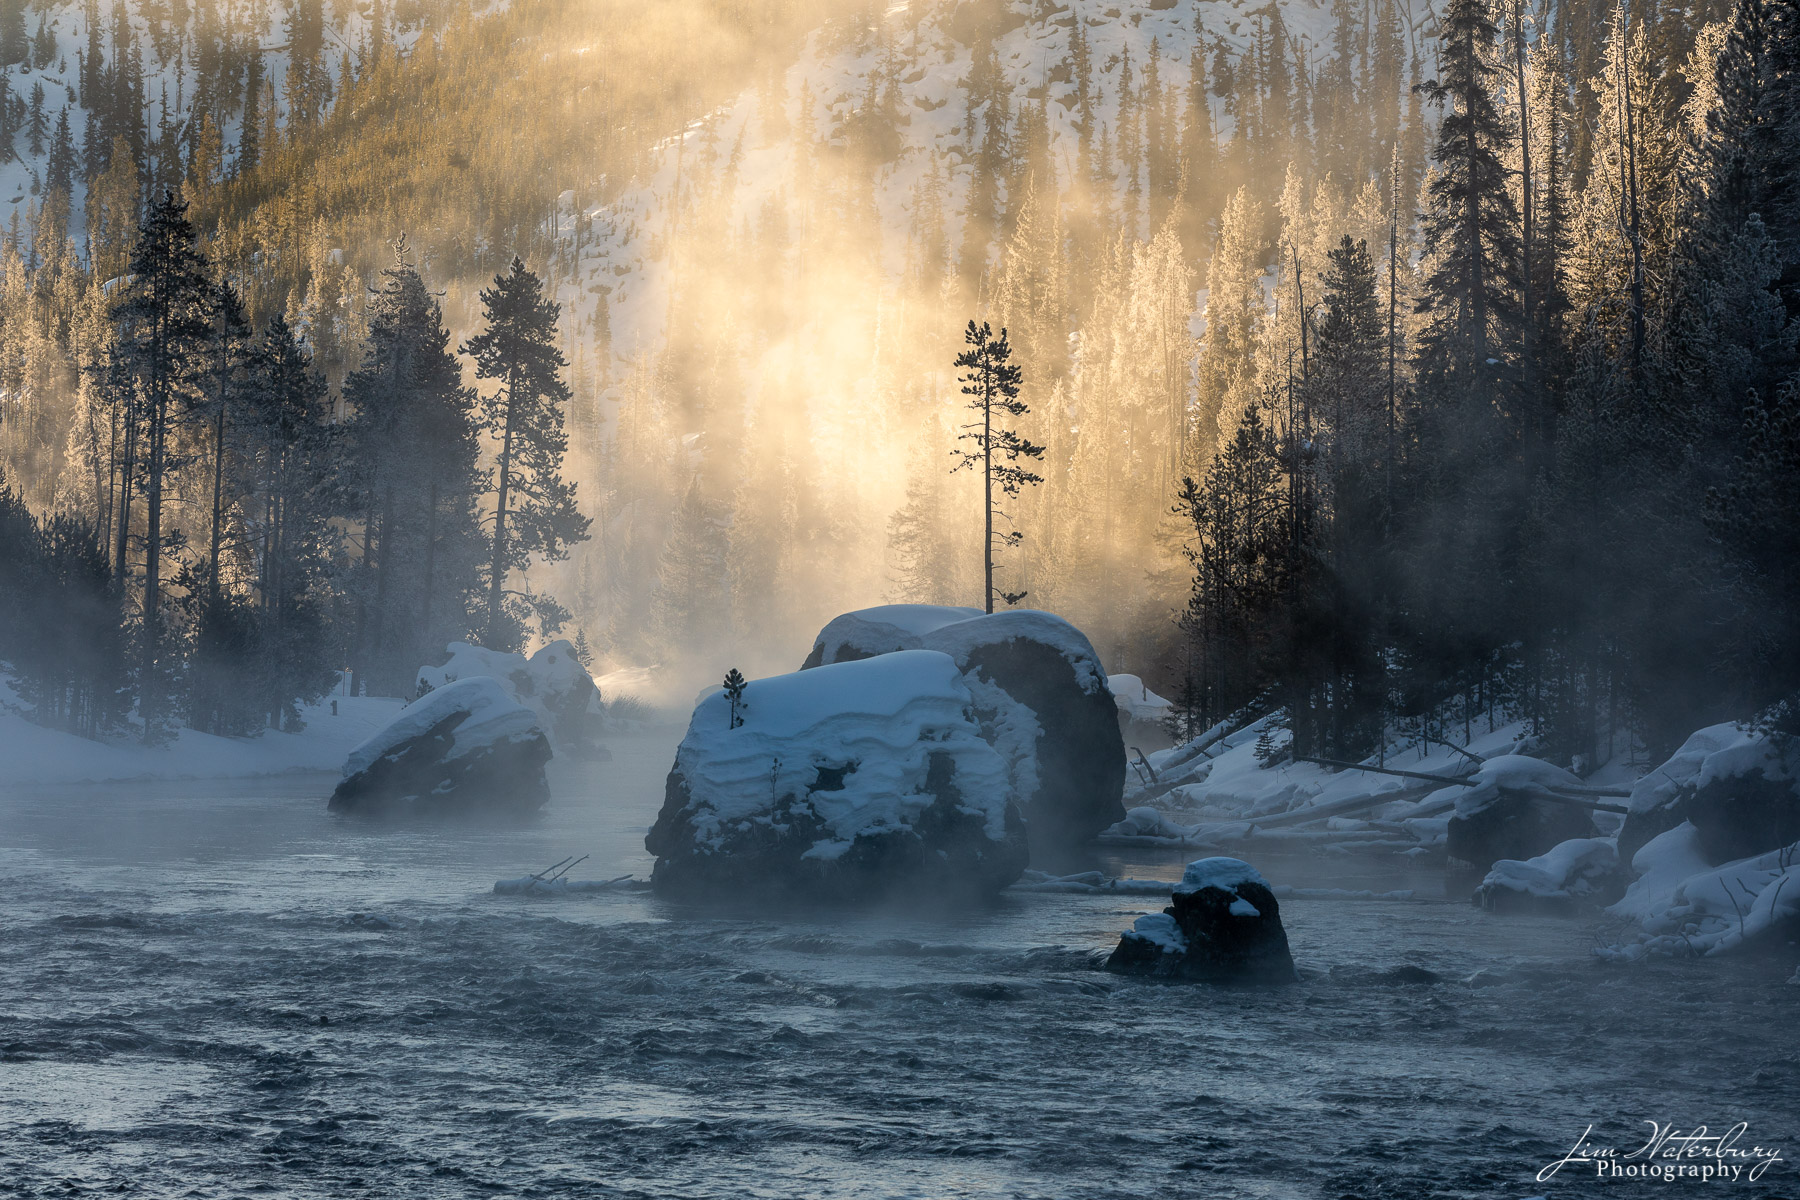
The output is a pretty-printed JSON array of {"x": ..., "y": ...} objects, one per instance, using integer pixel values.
[{"x": 215, "y": 989}]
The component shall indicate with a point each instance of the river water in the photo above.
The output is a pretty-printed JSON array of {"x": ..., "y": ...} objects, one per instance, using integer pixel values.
[{"x": 216, "y": 989}]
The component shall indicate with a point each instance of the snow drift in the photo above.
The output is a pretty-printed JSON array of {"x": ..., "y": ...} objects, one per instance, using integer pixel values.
[
  {"x": 465, "y": 746},
  {"x": 855, "y": 780},
  {"x": 1040, "y": 697}
]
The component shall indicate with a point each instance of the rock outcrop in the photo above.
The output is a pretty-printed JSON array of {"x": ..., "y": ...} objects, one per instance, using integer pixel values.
[
  {"x": 1513, "y": 811},
  {"x": 465, "y": 747},
  {"x": 1572, "y": 873},
  {"x": 857, "y": 781},
  {"x": 1223, "y": 925},
  {"x": 1040, "y": 697},
  {"x": 1738, "y": 787}
]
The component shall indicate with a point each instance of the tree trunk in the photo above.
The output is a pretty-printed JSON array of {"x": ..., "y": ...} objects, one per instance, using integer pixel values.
[
  {"x": 218, "y": 491},
  {"x": 148, "y": 705},
  {"x": 430, "y": 562},
  {"x": 497, "y": 580},
  {"x": 987, "y": 483}
]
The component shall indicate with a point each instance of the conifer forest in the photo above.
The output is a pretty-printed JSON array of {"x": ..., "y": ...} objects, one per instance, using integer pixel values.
[
  {"x": 874, "y": 598},
  {"x": 1383, "y": 363}
]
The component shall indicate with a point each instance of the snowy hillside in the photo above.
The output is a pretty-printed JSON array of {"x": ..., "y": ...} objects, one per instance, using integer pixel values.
[
  {"x": 223, "y": 64},
  {"x": 927, "y": 49}
]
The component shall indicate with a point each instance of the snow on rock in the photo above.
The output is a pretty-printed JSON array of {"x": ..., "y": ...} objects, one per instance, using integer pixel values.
[
  {"x": 853, "y": 780},
  {"x": 1040, "y": 697},
  {"x": 552, "y": 683},
  {"x": 1223, "y": 925},
  {"x": 465, "y": 746},
  {"x": 1662, "y": 865},
  {"x": 1739, "y": 788},
  {"x": 881, "y": 630},
  {"x": 1718, "y": 909},
  {"x": 1226, "y": 873},
  {"x": 1511, "y": 811},
  {"x": 1581, "y": 868}
]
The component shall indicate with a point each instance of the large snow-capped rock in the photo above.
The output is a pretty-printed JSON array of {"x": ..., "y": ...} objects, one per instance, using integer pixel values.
[
  {"x": 467, "y": 746},
  {"x": 1040, "y": 696},
  {"x": 1682, "y": 905},
  {"x": 881, "y": 630},
  {"x": 1713, "y": 837},
  {"x": 1555, "y": 881},
  {"x": 552, "y": 683},
  {"x": 1738, "y": 787},
  {"x": 856, "y": 780},
  {"x": 1222, "y": 926},
  {"x": 1513, "y": 811}
]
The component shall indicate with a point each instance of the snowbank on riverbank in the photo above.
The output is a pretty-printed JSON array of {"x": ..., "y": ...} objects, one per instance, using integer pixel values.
[{"x": 32, "y": 754}]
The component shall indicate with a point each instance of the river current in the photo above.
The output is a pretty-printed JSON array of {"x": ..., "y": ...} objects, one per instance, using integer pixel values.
[{"x": 218, "y": 990}]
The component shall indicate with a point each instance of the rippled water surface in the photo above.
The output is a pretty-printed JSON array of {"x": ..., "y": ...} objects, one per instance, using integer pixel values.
[{"x": 218, "y": 990}]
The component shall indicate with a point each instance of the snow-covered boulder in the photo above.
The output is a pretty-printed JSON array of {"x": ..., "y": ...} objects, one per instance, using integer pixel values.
[
  {"x": 1040, "y": 697},
  {"x": 1714, "y": 910},
  {"x": 1222, "y": 925},
  {"x": 467, "y": 746},
  {"x": 552, "y": 683},
  {"x": 1569, "y": 872},
  {"x": 1513, "y": 811},
  {"x": 881, "y": 630},
  {"x": 856, "y": 780},
  {"x": 1739, "y": 788}
]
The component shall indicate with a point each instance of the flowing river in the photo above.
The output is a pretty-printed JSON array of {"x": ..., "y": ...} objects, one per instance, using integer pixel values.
[{"x": 216, "y": 989}]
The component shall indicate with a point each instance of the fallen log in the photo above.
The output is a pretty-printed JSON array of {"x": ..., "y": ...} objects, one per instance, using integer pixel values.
[{"x": 1560, "y": 794}]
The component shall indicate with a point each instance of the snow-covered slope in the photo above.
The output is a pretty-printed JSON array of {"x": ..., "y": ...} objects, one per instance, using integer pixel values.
[
  {"x": 32, "y": 754},
  {"x": 169, "y": 58},
  {"x": 928, "y": 47}
]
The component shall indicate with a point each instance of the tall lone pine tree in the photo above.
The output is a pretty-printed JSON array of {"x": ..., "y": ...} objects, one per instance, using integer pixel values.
[{"x": 991, "y": 381}]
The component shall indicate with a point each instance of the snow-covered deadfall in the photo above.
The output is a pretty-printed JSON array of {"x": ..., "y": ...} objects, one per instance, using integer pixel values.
[
  {"x": 860, "y": 780},
  {"x": 1041, "y": 698},
  {"x": 465, "y": 747}
]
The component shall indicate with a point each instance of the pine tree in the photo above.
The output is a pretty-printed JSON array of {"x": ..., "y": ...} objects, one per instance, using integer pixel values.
[
  {"x": 59, "y": 172},
  {"x": 991, "y": 381},
  {"x": 37, "y": 122},
  {"x": 691, "y": 596},
  {"x": 249, "y": 136},
  {"x": 1471, "y": 224},
  {"x": 414, "y": 476},
  {"x": 1234, "y": 318},
  {"x": 534, "y": 508},
  {"x": 290, "y": 453},
  {"x": 1748, "y": 154},
  {"x": 164, "y": 327},
  {"x": 15, "y": 43}
]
